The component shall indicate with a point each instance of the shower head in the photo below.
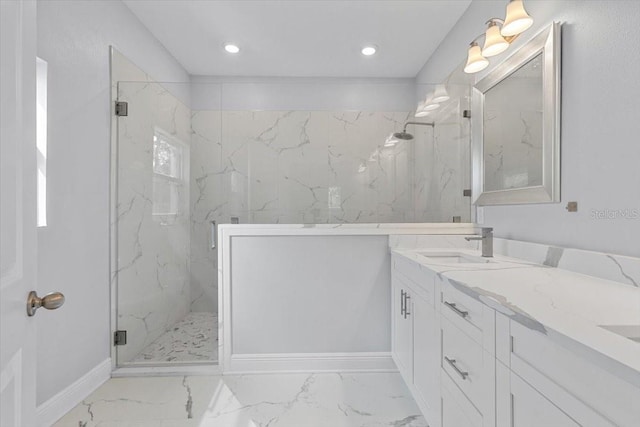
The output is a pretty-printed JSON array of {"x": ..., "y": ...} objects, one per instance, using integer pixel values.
[{"x": 404, "y": 135}]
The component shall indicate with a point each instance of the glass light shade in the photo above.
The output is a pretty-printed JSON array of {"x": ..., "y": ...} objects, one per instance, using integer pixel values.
[
  {"x": 494, "y": 43},
  {"x": 420, "y": 110},
  {"x": 440, "y": 95},
  {"x": 517, "y": 19},
  {"x": 430, "y": 104},
  {"x": 391, "y": 141},
  {"x": 475, "y": 61}
]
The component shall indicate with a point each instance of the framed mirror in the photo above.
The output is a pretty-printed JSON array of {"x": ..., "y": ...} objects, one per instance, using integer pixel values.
[{"x": 516, "y": 126}]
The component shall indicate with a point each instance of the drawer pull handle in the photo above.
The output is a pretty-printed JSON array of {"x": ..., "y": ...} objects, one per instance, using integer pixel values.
[
  {"x": 406, "y": 306},
  {"x": 402, "y": 304},
  {"x": 452, "y": 363},
  {"x": 459, "y": 312}
]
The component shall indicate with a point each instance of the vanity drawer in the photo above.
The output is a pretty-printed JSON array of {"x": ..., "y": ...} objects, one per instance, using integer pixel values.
[
  {"x": 470, "y": 367},
  {"x": 469, "y": 314},
  {"x": 553, "y": 369},
  {"x": 457, "y": 411},
  {"x": 422, "y": 278}
]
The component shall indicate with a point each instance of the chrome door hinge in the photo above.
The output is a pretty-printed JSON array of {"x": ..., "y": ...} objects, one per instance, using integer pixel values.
[
  {"x": 122, "y": 108},
  {"x": 466, "y": 114},
  {"x": 466, "y": 193},
  {"x": 119, "y": 337}
]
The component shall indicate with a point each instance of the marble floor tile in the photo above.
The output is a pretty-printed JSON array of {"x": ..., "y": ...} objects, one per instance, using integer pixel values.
[
  {"x": 194, "y": 338},
  {"x": 268, "y": 400}
]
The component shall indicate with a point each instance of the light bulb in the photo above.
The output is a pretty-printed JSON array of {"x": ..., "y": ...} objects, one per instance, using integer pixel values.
[
  {"x": 231, "y": 48},
  {"x": 368, "y": 50}
]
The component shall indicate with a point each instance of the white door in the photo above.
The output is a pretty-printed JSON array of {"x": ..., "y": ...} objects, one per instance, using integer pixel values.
[{"x": 17, "y": 211}]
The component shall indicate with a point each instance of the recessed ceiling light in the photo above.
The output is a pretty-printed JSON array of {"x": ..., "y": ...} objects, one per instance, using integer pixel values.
[
  {"x": 231, "y": 48},
  {"x": 368, "y": 50}
]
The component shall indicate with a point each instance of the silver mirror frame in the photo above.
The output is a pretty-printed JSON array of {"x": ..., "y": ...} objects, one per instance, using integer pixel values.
[{"x": 547, "y": 42}]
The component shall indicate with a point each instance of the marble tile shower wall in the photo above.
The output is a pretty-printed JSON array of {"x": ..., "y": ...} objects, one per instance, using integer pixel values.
[
  {"x": 153, "y": 239},
  {"x": 317, "y": 167}
]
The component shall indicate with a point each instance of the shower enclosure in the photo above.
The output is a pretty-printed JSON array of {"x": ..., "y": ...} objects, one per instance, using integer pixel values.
[{"x": 184, "y": 162}]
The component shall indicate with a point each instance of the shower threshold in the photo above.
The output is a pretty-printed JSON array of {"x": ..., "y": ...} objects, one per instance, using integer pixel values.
[{"x": 192, "y": 339}]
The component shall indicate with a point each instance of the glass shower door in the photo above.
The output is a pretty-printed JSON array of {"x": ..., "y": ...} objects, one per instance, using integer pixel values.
[{"x": 153, "y": 237}]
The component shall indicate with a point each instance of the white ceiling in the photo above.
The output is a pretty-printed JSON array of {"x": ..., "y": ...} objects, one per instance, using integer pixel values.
[{"x": 300, "y": 38}]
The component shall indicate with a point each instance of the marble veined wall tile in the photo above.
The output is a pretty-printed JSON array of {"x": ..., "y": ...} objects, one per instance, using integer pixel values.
[
  {"x": 442, "y": 168},
  {"x": 153, "y": 244},
  {"x": 317, "y": 167},
  {"x": 617, "y": 268},
  {"x": 320, "y": 167},
  {"x": 208, "y": 202}
]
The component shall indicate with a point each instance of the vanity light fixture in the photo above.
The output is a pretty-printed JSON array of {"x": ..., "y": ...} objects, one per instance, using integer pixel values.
[
  {"x": 440, "y": 95},
  {"x": 231, "y": 48},
  {"x": 420, "y": 111},
  {"x": 475, "y": 61},
  {"x": 517, "y": 19},
  {"x": 494, "y": 43},
  {"x": 425, "y": 108},
  {"x": 369, "y": 50},
  {"x": 430, "y": 104},
  {"x": 498, "y": 36},
  {"x": 391, "y": 141}
]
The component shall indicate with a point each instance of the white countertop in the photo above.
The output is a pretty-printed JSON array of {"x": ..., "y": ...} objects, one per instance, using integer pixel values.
[
  {"x": 445, "y": 228},
  {"x": 568, "y": 303}
]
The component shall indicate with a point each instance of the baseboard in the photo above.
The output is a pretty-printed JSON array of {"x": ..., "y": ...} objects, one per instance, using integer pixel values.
[
  {"x": 56, "y": 407},
  {"x": 316, "y": 362},
  {"x": 166, "y": 371}
]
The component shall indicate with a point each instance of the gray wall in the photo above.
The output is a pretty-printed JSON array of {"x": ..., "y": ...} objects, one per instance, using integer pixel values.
[
  {"x": 73, "y": 250},
  {"x": 300, "y": 93},
  {"x": 600, "y": 126},
  {"x": 310, "y": 294}
]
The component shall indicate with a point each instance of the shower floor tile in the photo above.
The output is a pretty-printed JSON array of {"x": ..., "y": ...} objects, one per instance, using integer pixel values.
[
  {"x": 194, "y": 338},
  {"x": 274, "y": 400}
]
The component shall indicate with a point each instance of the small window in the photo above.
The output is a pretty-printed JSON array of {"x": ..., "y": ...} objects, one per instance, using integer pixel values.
[
  {"x": 169, "y": 177},
  {"x": 41, "y": 142}
]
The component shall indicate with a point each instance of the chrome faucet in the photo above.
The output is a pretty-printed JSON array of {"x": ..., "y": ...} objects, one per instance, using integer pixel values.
[{"x": 487, "y": 241}]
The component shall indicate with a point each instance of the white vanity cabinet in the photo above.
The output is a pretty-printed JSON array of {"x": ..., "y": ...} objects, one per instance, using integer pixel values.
[
  {"x": 415, "y": 334},
  {"x": 470, "y": 365},
  {"x": 521, "y": 405},
  {"x": 467, "y": 357},
  {"x": 584, "y": 391},
  {"x": 402, "y": 327}
]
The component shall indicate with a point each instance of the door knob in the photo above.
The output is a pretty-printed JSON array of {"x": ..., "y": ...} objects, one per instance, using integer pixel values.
[{"x": 50, "y": 302}]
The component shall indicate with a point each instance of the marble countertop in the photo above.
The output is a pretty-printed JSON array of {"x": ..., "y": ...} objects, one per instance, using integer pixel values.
[
  {"x": 570, "y": 306},
  {"x": 348, "y": 229}
]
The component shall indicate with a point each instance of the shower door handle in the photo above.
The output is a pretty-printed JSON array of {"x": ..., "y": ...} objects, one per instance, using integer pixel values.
[{"x": 213, "y": 234}]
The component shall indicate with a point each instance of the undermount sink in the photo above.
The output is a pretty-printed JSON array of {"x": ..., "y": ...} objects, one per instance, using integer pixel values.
[
  {"x": 631, "y": 332},
  {"x": 454, "y": 258}
]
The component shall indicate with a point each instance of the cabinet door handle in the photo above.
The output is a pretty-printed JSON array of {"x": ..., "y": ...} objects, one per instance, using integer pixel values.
[
  {"x": 402, "y": 303},
  {"x": 459, "y": 312},
  {"x": 406, "y": 306},
  {"x": 452, "y": 363}
]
